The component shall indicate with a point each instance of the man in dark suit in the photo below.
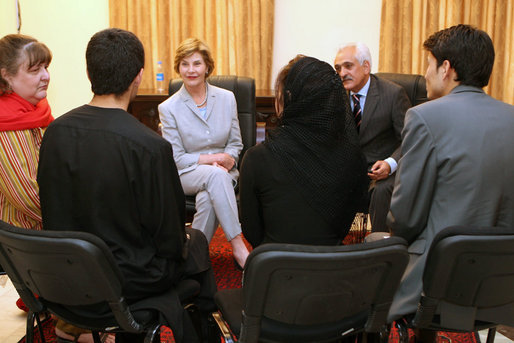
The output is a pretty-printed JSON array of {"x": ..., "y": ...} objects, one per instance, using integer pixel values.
[
  {"x": 457, "y": 154},
  {"x": 379, "y": 108}
]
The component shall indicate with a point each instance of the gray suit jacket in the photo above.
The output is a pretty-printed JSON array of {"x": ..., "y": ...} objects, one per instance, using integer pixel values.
[
  {"x": 457, "y": 168},
  {"x": 382, "y": 120},
  {"x": 191, "y": 135}
]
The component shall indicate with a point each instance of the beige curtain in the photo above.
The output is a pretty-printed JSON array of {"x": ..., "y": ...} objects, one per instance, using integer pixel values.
[
  {"x": 406, "y": 24},
  {"x": 239, "y": 33}
]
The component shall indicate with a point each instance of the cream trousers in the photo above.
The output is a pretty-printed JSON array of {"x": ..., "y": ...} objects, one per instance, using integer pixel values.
[{"x": 215, "y": 200}]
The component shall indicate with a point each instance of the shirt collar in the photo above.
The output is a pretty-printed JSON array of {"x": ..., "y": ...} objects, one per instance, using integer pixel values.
[{"x": 364, "y": 90}]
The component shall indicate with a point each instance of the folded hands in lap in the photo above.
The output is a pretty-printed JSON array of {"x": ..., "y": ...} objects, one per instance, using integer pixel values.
[{"x": 221, "y": 160}]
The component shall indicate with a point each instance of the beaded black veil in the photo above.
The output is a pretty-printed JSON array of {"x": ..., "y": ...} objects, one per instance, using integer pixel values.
[{"x": 317, "y": 143}]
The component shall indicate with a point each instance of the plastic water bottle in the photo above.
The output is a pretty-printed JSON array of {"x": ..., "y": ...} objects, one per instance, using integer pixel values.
[{"x": 159, "y": 77}]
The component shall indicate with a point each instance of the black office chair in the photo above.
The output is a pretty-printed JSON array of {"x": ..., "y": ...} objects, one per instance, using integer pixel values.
[
  {"x": 244, "y": 92},
  {"x": 415, "y": 85},
  {"x": 300, "y": 293},
  {"x": 468, "y": 282},
  {"x": 69, "y": 270}
]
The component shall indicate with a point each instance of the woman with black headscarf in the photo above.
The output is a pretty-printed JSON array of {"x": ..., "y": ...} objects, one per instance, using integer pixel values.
[{"x": 304, "y": 183}]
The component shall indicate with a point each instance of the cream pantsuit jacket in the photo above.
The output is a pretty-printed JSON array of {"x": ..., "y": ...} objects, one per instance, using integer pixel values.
[{"x": 191, "y": 135}]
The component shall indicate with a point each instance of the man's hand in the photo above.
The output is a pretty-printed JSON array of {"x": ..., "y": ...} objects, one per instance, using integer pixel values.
[{"x": 380, "y": 170}]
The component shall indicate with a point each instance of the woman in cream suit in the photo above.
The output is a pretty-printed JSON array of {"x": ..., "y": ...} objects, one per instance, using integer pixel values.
[{"x": 200, "y": 121}]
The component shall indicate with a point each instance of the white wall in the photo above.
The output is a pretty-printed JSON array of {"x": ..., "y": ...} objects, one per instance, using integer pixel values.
[
  {"x": 318, "y": 28},
  {"x": 65, "y": 26},
  {"x": 7, "y": 17}
]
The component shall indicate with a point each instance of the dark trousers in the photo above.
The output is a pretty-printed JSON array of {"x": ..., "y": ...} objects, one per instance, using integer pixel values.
[
  {"x": 197, "y": 266},
  {"x": 381, "y": 192}
]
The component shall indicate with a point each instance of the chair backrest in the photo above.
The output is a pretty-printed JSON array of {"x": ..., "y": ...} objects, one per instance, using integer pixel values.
[
  {"x": 469, "y": 276},
  {"x": 65, "y": 269},
  {"x": 311, "y": 293},
  {"x": 414, "y": 85},
  {"x": 244, "y": 92}
]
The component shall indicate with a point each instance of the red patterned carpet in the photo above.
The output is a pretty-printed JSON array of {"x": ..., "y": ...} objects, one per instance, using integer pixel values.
[
  {"x": 227, "y": 276},
  {"x": 442, "y": 337},
  {"x": 225, "y": 272}
]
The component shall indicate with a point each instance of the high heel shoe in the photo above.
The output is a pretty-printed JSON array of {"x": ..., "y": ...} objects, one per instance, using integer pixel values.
[{"x": 237, "y": 265}]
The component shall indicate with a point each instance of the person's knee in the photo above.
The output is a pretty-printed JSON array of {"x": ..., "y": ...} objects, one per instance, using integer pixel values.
[
  {"x": 384, "y": 187},
  {"x": 219, "y": 175}
]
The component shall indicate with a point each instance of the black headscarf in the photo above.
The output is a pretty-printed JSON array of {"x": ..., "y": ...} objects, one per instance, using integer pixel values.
[{"x": 317, "y": 142}]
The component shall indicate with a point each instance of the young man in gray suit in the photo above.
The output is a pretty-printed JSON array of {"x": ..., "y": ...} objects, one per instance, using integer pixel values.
[
  {"x": 379, "y": 107},
  {"x": 457, "y": 154}
]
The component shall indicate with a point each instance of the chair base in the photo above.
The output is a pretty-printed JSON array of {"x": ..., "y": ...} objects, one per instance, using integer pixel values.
[
  {"x": 350, "y": 337},
  {"x": 224, "y": 330},
  {"x": 403, "y": 325}
]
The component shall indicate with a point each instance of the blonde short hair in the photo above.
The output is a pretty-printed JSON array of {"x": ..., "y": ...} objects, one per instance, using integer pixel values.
[{"x": 189, "y": 47}]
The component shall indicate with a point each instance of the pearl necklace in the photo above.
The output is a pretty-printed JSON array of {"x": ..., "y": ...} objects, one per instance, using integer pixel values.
[{"x": 204, "y": 100}]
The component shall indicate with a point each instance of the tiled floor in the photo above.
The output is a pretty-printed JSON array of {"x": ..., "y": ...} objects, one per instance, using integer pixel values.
[
  {"x": 13, "y": 320},
  {"x": 499, "y": 338}
]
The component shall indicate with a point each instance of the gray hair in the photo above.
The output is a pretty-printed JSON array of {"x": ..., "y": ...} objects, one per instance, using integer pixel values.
[{"x": 362, "y": 52}]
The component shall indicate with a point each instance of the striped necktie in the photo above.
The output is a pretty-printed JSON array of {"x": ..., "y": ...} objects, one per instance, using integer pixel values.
[{"x": 357, "y": 111}]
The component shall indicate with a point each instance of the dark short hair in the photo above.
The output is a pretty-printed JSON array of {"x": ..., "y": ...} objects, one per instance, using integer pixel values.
[
  {"x": 14, "y": 49},
  {"x": 469, "y": 50},
  {"x": 114, "y": 57}
]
